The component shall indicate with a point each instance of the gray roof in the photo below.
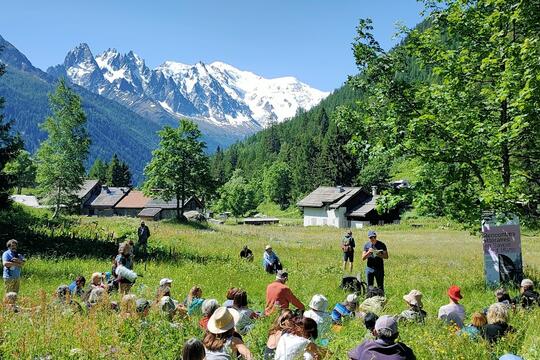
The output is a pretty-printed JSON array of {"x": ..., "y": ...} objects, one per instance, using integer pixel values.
[
  {"x": 365, "y": 207},
  {"x": 150, "y": 212},
  {"x": 86, "y": 187},
  {"x": 171, "y": 204},
  {"x": 327, "y": 195},
  {"x": 109, "y": 196}
]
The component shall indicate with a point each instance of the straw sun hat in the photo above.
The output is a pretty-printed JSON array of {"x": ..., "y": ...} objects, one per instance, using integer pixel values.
[{"x": 223, "y": 320}]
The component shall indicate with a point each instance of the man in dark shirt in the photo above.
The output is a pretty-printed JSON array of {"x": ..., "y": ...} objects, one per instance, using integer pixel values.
[
  {"x": 144, "y": 233},
  {"x": 246, "y": 253},
  {"x": 374, "y": 252}
]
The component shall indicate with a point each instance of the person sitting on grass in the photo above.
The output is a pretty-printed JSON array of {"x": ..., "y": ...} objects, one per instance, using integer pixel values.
[
  {"x": 220, "y": 343},
  {"x": 230, "y": 297},
  {"x": 95, "y": 297},
  {"x": 271, "y": 261},
  {"x": 142, "y": 307},
  {"x": 208, "y": 307},
  {"x": 194, "y": 301},
  {"x": 528, "y": 297},
  {"x": 502, "y": 297},
  {"x": 369, "y": 322},
  {"x": 64, "y": 302},
  {"x": 10, "y": 302},
  {"x": 414, "y": 312},
  {"x": 246, "y": 254},
  {"x": 76, "y": 288},
  {"x": 317, "y": 312},
  {"x": 279, "y": 295},
  {"x": 345, "y": 309},
  {"x": 454, "y": 293},
  {"x": 476, "y": 328},
  {"x": 247, "y": 316},
  {"x": 497, "y": 327},
  {"x": 385, "y": 346},
  {"x": 275, "y": 333},
  {"x": 128, "y": 306},
  {"x": 193, "y": 350},
  {"x": 125, "y": 259},
  {"x": 97, "y": 281},
  {"x": 375, "y": 302},
  {"x": 297, "y": 341}
]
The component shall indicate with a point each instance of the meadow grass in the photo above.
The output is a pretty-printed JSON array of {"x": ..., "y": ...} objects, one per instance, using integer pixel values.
[{"x": 428, "y": 258}]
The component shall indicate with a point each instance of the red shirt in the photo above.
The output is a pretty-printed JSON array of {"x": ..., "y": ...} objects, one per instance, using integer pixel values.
[
  {"x": 280, "y": 293},
  {"x": 203, "y": 323}
]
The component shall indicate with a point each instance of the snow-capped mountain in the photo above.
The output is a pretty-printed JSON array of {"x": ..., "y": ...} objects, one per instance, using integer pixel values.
[{"x": 216, "y": 93}]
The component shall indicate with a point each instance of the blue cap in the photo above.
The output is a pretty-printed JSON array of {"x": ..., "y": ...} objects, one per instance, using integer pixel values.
[{"x": 371, "y": 233}]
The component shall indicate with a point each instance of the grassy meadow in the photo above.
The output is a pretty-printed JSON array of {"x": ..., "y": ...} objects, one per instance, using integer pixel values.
[{"x": 428, "y": 258}]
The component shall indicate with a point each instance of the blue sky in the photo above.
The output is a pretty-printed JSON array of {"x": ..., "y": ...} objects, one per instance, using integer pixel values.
[{"x": 308, "y": 39}]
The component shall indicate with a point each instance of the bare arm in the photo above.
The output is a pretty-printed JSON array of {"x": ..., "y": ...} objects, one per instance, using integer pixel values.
[
  {"x": 366, "y": 254},
  {"x": 242, "y": 349}
]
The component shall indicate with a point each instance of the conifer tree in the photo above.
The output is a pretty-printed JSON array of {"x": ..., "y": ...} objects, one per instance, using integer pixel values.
[{"x": 99, "y": 171}]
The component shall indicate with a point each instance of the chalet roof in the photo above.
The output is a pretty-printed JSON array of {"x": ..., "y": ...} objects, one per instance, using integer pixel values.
[
  {"x": 327, "y": 195},
  {"x": 109, "y": 196},
  {"x": 133, "y": 200},
  {"x": 149, "y": 212},
  {"x": 86, "y": 187},
  {"x": 362, "y": 209},
  {"x": 171, "y": 204}
]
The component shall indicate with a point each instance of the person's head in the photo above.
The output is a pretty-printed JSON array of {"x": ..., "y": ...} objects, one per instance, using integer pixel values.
[
  {"x": 454, "y": 293},
  {"x": 128, "y": 304},
  {"x": 62, "y": 292},
  {"x": 12, "y": 244},
  {"x": 372, "y": 236},
  {"x": 162, "y": 291},
  {"x": 268, "y": 249},
  {"x": 478, "y": 319},
  {"x": 502, "y": 295},
  {"x": 414, "y": 299},
  {"x": 374, "y": 291},
  {"x": 497, "y": 313},
  {"x": 310, "y": 328},
  {"x": 240, "y": 299},
  {"x": 208, "y": 307},
  {"x": 318, "y": 303},
  {"x": 142, "y": 223},
  {"x": 124, "y": 248},
  {"x": 193, "y": 350},
  {"x": 142, "y": 306},
  {"x": 230, "y": 293},
  {"x": 282, "y": 276},
  {"x": 369, "y": 321},
  {"x": 10, "y": 298},
  {"x": 80, "y": 281},
  {"x": 96, "y": 295},
  {"x": 281, "y": 321},
  {"x": 96, "y": 278},
  {"x": 245, "y": 247},
  {"x": 165, "y": 282},
  {"x": 349, "y": 232},
  {"x": 195, "y": 293},
  {"x": 351, "y": 302},
  {"x": 223, "y": 320},
  {"x": 386, "y": 328},
  {"x": 526, "y": 284}
]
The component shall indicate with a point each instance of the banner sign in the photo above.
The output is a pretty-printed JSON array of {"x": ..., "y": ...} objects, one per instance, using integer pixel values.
[{"x": 502, "y": 252}]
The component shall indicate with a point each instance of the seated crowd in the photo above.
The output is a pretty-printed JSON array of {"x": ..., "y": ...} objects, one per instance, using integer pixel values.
[{"x": 301, "y": 333}]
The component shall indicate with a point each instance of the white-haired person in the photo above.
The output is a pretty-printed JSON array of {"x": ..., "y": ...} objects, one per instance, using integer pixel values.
[
  {"x": 528, "y": 297},
  {"x": 497, "y": 326},
  {"x": 385, "y": 346},
  {"x": 415, "y": 311},
  {"x": 317, "y": 311},
  {"x": 208, "y": 307}
]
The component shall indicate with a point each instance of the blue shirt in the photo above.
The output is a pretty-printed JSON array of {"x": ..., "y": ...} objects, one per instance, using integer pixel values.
[
  {"x": 269, "y": 259},
  {"x": 13, "y": 272},
  {"x": 340, "y": 311}
]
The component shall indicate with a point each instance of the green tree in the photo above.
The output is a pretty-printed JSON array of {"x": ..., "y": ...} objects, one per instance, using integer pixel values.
[
  {"x": 237, "y": 196},
  {"x": 61, "y": 157},
  {"x": 277, "y": 184},
  {"x": 118, "y": 173},
  {"x": 179, "y": 166},
  {"x": 23, "y": 170},
  {"x": 99, "y": 171},
  {"x": 10, "y": 146}
]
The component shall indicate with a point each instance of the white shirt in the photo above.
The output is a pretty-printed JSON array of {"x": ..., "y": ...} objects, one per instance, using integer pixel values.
[
  {"x": 323, "y": 320},
  {"x": 450, "y": 308},
  {"x": 291, "y": 347}
]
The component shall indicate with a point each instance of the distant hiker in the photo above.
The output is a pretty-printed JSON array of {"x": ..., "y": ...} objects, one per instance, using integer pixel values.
[
  {"x": 347, "y": 246},
  {"x": 454, "y": 293},
  {"x": 246, "y": 254},
  {"x": 143, "y": 233},
  {"x": 271, "y": 261},
  {"x": 346, "y": 309},
  {"x": 193, "y": 350},
  {"x": 76, "y": 288},
  {"x": 385, "y": 346},
  {"x": 374, "y": 252},
  {"x": 414, "y": 312},
  {"x": 528, "y": 296},
  {"x": 12, "y": 262},
  {"x": 278, "y": 295},
  {"x": 497, "y": 327}
]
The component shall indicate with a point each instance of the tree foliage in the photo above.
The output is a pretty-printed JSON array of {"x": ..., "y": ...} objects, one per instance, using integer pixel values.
[
  {"x": 179, "y": 166},
  {"x": 99, "y": 171},
  {"x": 23, "y": 170},
  {"x": 237, "y": 196},
  {"x": 61, "y": 157},
  {"x": 118, "y": 173},
  {"x": 277, "y": 184}
]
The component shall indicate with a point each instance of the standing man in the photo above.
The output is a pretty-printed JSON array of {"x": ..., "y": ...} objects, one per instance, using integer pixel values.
[
  {"x": 347, "y": 246},
  {"x": 280, "y": 295},
  {"x": 12, "y": 261},
  {"x": 374, "y": 252},
  {"x": 144, "y": 233}
]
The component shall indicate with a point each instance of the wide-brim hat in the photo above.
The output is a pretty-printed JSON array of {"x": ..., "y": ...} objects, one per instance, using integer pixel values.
[
  {"x": 318, "y": 303},
  {"x": 414, "y": 297},
  {"x": 454, "y": 293},
  {"x": 267, "y": 247},
  {"x": 223, "y": 320},
  {"x": 165, "y": 281}
]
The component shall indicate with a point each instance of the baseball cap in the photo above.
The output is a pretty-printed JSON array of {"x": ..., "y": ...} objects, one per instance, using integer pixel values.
[
  {"x": 386, "y": 322},
  {"x": 165, "y": 281},
  {"x": 371, "y": 233},
  {"x": 267, "y": 247},
  {"x": 454, "y": 293},
  {"x": 527, "y": 282}
]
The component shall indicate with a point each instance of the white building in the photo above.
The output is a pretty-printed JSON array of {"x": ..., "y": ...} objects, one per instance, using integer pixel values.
[{"x": 343, "y": 207}]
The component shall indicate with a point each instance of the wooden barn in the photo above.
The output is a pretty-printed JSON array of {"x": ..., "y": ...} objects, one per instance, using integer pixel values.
[
  {"x": 132, "y": 204},
  {"x": 158, "y": 209}
]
